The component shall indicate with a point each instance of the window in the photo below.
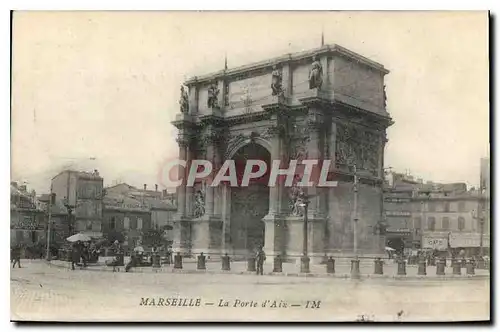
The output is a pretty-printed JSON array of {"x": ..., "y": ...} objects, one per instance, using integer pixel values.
[
  {"x": 112, "y": 223},
  {"x": 432, "y": 207},
  {"x": 461, "y": 223},
  {"x": 447, "y": 207},
  {"x": 431, "y": 223},
  {"x": 417, "y": 223},
  {"x": 461, "y": 206},
  {"x": 446, "y": 223},
  {"x": 19, "y": 236},
  {"x": 133, "y": 224},
  {"x": 139, "y": 223},
  {"x": 126, "y": 223}
]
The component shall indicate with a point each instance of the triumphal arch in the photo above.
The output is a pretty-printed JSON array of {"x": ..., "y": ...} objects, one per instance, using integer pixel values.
[{"x": 327, "y": 103}]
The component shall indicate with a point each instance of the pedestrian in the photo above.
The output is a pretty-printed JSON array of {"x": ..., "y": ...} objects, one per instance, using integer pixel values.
[
  {"x": 16, "y": 255},
  {"x": 85, "y": 254},
  {"x": 133, "y": 261},
  {"x": 75, "y": 255},
  {"x": 261, "y": 257}
]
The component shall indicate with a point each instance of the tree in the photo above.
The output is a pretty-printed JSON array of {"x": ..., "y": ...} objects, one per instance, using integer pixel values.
[
  {"x": 153, "y": 237},
  {"x": 115, "y": 235}
]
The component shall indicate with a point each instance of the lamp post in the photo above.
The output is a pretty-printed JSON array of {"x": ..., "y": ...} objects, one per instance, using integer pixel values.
[
  {"x": 355, "y": 261},
  {"x": 69, "y": 208},
  {"x": 52, "y": 198},
  {"x": 304, "y": 260}
]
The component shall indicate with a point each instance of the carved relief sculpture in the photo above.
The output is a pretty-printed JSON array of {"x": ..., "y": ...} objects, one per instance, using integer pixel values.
[
  {"x": 213, "y": 96},
  {"x": 357, "y": 147},
  {"x": 276, "y": 83},
  {"x": 296, "y": 199},
  {"x": 184, "y": 102},
  {"x": 199, "y": 204},
  {"x": 315, "y": 74}
]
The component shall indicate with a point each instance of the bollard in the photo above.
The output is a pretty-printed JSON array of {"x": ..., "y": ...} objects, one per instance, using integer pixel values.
[
  {"x": 156, "y": 260},
  {"x": 251, "y": 264},
  {"x": 178, "y": 261},
  {"x": 201, "y": 262},
  {"x": 379, "y": 266},
  {"x": 225, "y": 263},
  {"x": 330, "y": 265},
  {"x": 470, "y": 265},
  {"x": 441, "y": 264},
  {"x": 304, "y": 264},
  {"x": 401, "y": 267},
  {"x": 355, "y": 268},
  {"x": 278, "y": 264},
  {"x": 480, "y": 263},
  {"x": 457, "y": 267},
  {"x": 422, "y": 268}
]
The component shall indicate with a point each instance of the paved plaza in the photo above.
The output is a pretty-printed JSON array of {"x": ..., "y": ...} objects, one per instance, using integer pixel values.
[{"x": 50, "y": 292}]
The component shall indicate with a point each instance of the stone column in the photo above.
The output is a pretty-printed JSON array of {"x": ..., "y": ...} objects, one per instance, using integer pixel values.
[
  {"x": 189, "y": 189},
  {"x": 226, "y": 218},
  {"x": 193, "y": 99},
  {"x": 207, "y": 230},
  {"x": 273, "y": 244},
  {"x": 287, "y": 80},
  {"x": 209, "y": 191},
  {"x": 315, "y": 151},
  {"x": 181, "y": 190},
  {"x": 316, "y": 210},
  {"x": 179, "y": 232}
]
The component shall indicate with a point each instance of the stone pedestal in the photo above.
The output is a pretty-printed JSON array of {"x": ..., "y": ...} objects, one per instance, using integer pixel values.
[
  {"x": 315, "y": 240},
  {"x": 269, "y": 235},
  {"x": 181, "y": 235},
  {"x": 206, "y": 235}
]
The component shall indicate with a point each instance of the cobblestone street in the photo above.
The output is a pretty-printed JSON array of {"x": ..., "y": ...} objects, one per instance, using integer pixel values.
[{"x": 43, "y": 292}]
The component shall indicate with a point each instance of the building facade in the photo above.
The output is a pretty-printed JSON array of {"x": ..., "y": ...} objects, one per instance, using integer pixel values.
[
  {"x": 434, "y": 216},
  {"x": 132, "y": 212},
  {"x": 82, "y": 194},
  {"x": 402, "y": 231},
  {"x": 27, "y": 219},
  {"x": 326, "y": 104}
]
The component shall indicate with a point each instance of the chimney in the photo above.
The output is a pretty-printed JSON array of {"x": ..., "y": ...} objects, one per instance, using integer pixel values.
[
  {"x": 164, "y": 194},
  {"x": 145, "y": 187},
  {"x": 156, "y": 187}
]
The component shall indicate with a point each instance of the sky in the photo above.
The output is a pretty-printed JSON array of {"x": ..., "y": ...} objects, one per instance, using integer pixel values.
[{"x": 98, "y": 90}]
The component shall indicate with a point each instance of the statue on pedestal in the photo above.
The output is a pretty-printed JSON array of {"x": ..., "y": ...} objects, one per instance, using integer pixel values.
[
  {"x": 213, "y": 96},
  {"x": 184, "y": 101},
  {"x": 199, "y": 204},
  {"x": 315, "y": 74},
  {"x": 296, "y": 200},
  {"x": 276, "y": 82}
]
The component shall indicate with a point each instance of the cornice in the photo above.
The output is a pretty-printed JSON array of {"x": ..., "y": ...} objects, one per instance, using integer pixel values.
[{"x": 326, "y": 50}]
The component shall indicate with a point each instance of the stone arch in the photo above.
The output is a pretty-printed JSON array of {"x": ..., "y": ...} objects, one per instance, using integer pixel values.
[{"x": 245, "y": 141}]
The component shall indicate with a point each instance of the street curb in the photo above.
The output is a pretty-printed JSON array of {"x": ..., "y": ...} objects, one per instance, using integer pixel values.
[{"x": 283, "y": 274}]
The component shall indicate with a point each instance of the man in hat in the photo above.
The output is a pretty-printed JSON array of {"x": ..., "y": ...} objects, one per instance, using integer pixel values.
[
  {"x": 16, "y": 255},
  {"x": 261, "y": 257}
]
